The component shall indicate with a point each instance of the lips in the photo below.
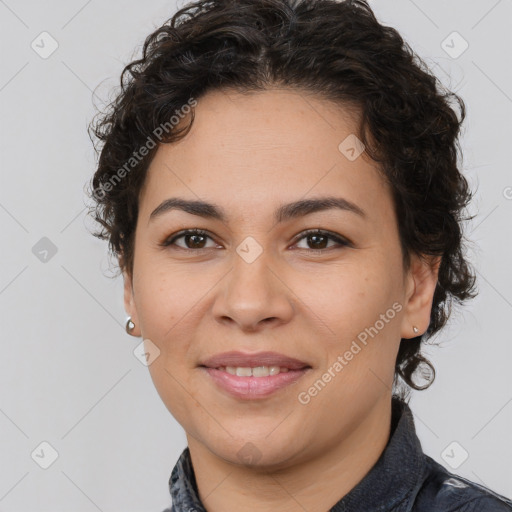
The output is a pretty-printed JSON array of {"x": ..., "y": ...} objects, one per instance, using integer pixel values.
[{"x": 241, "y": 359}]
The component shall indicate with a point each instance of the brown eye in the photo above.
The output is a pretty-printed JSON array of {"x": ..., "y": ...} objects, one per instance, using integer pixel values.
[
  {"x": 318, "y": 240},
  {"x": 192, "y": 239}
]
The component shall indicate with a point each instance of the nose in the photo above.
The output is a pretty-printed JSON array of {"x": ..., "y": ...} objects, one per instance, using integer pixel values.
[{"x": 253, "y": 295}]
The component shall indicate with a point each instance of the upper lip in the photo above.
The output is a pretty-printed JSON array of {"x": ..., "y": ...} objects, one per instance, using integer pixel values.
[{"x": 241, "y": 359}]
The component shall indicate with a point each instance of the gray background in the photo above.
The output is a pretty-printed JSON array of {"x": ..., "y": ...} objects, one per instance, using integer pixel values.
[{"x": 68, "y": 375}]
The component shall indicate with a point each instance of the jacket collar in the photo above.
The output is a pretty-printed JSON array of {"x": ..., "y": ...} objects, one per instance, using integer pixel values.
[
  {"x": 397, "y": 475},
  {"x": 390, "y": 484}
]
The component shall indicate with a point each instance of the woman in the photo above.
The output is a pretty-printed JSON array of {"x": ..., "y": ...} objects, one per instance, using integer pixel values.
[{"x": 279, "y": 181}]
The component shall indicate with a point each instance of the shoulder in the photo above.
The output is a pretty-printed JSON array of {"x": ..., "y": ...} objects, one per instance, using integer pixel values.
[{"x": 446, "y": 492}]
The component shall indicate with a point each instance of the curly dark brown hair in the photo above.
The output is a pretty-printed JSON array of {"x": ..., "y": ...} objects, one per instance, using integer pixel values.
[{"x": 335, "y": 49}]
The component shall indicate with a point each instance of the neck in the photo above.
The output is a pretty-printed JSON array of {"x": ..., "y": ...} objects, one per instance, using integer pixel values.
[{"x": 317, "y": 483}]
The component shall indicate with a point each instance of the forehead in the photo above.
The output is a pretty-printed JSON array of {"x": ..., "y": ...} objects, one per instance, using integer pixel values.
[{"x": 276, "y": 146}]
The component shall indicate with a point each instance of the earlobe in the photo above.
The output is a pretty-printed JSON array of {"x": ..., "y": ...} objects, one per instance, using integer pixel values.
[
  {"x": 421, "y": 285},
  {"x": 132, "y": 324}
]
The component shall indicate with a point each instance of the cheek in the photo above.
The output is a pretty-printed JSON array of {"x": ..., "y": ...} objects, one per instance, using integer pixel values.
[
  {"x": 169, "y": 306},
  {"x": 361, "y": 309},
  {"x": 347, "y": 299},
  {"x": 165, "y": 296}
]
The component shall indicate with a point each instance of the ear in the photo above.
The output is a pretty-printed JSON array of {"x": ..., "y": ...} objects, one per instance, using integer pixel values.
[
  {"x": 129, "y": 302},
  {"x": 421, "y": 281}
]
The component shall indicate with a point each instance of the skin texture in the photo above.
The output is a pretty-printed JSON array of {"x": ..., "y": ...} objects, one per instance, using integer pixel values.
[{"x": 249, "y": 154}]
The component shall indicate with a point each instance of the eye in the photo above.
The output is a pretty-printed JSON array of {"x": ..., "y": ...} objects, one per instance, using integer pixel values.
[
  {"x": 193, "y": 239},
  {"x": 319, "y": 238}
]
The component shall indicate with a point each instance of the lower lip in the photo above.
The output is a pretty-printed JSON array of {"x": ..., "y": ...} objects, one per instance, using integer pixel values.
[{"x": 253, "y": 387}]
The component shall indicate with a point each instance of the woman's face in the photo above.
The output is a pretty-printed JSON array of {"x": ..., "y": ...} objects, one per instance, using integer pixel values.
[{"x": 257, "y": 283}]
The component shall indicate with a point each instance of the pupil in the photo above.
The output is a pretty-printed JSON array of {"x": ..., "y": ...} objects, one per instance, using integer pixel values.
[
  {"x": 193, "y": 237},
  {"x": 315, "y": 237}
]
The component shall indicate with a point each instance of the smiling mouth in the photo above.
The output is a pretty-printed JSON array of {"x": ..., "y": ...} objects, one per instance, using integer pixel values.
[{"x": 255, "y": 375}]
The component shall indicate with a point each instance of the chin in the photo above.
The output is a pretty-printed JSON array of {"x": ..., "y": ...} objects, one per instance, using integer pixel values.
[{"x": 256, "y": 453}]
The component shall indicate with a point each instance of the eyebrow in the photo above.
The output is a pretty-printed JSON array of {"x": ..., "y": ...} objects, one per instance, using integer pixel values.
[{"x": 283, "y": 213}]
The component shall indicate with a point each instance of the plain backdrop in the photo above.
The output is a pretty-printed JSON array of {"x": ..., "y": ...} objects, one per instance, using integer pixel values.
[{"x": 68, "y": 376}]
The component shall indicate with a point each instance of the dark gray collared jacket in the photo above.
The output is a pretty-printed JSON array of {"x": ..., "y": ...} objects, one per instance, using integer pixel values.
[{"x": 404, "y": 479}]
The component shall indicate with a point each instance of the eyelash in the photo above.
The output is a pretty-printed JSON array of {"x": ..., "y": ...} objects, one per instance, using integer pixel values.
[{"x": 338, "y": 239}]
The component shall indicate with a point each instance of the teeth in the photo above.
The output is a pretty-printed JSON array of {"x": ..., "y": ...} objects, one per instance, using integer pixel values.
[
  {"x": 243, "y": 371},
  {"x": 258, "y": 371}
]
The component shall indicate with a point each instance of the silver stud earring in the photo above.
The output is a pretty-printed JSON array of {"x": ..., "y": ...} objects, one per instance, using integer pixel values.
[
  {"x": 415, "y": 329},
  {"x": 129, "y": 326}
]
